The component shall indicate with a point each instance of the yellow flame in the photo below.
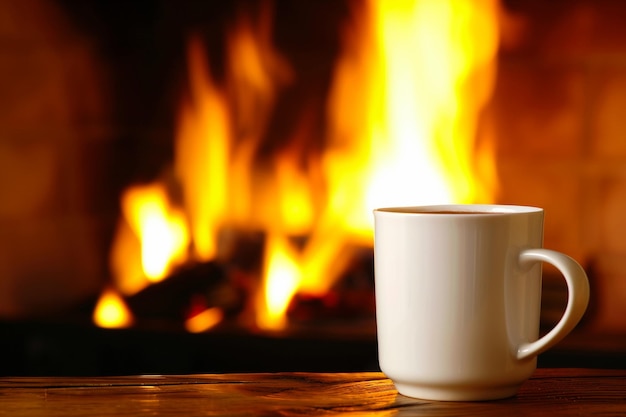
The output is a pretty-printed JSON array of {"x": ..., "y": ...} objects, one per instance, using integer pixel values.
[
  {"x": 160, "y": 227},
  {"x": 282, "y": 277},
  {"x": 403, "y": 113},
  {"x": 256, "y": 70},
  {"x": 295, "y": 214},
  {"x": 205, "y": 320},
  {"x": 111, "y": 311},
  {"x": 125, "y": 260},
  {"x": 405, "y": 105},
  {"x": 202, "y": 154},
  {"x": 151, "y": 240}
]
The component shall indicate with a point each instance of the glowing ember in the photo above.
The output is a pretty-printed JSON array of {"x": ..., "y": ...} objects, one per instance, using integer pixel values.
[
  {"x": 205, "y": 320},
  {"x": 111, "y": 311}
]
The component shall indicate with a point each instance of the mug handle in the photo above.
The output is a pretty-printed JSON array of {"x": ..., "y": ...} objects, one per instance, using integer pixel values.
[{"x": 577, "y": 299}]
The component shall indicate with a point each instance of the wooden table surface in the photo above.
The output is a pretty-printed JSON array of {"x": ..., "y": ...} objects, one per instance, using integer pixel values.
[{"x": 553, "y": 392}]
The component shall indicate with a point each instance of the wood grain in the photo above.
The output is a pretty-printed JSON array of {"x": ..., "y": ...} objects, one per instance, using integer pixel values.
[{"x": 556, "y": 392}]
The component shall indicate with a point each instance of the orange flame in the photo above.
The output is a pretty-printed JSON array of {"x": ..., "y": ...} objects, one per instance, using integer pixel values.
[
  {"x": 403, "y": 110},
  {"x": 205, "y": 320},
  {"x": 282, "y": 275},
  {"x": 202, "y": 155},
  {"x": 154, "y": 232},
  {"x": 409, "y": 88},
  {"x": 111, "y": 311}
]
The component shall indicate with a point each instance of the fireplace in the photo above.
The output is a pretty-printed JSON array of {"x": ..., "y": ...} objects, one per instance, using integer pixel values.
[{"x": 104, "y": 102}]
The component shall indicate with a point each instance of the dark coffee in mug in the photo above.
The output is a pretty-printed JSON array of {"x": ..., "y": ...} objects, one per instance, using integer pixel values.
[{"x": 457, "y": 212}]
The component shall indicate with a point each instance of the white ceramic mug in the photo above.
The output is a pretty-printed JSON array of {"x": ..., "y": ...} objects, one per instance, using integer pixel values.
[{"x": 458, "y": 298}]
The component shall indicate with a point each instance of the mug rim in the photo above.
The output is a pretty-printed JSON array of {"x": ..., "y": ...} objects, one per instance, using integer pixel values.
[{"x": 461, "y": 209}]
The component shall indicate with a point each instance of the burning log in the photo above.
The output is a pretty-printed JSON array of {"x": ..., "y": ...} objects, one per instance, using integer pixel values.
[
  {"x": 351, "y": 298},
  {"x": 187, "y": 292}
]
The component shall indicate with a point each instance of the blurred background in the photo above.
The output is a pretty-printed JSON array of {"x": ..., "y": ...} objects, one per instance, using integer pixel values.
[{"x": 186, "y": 186}]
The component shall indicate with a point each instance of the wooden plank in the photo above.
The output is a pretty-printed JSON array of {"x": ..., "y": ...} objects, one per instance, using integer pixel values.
[{"x": 553, "y": 392}]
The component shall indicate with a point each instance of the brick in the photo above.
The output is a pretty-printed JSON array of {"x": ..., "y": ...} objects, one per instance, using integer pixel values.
[
  {"x": 552, "y": 186},
  {"x": 539, "y": 110},
  {"x": 608, "y": 113},
  {"x": 612, "y": 218}
]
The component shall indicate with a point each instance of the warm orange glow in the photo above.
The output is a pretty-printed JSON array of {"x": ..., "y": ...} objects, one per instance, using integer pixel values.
[
  {"x": 205, "y": 320},
  {"x": 202, "y": 155},
  {"x": 256, "y": 71},
  {"x": 154, "y": 232},
  {"x": 294, "y": 200},
  {"x": 409, "y": 88},
  {"x": 282, "y": 277},
  {"x": 111, "y": 311},
  {"x": 403, "y": 110},
  {"x": 162, "y": 229},
  {"x": 125, "y": 260}
]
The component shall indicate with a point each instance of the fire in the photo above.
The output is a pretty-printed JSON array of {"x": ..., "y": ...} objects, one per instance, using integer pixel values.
[
  {"x": 205, "y": 320},
  {"x": 154, "y": 232},
  {"x": 111, "y": 311},
  {"x": 202, "y": 155},
  {"x": 408, "y": 90},
  {"x": 404, "y": 108},
  {"x": 282, "y": 275}
]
